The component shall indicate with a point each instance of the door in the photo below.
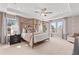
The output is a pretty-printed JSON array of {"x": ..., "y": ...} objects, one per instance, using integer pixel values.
[
  {"x": 60, "y": 29},
  {"x": 56, "y": 29},
  {"x": 53, "y": 29}
]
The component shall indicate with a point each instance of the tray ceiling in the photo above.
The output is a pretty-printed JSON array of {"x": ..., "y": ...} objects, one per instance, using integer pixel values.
[{"x": 27, "y": 9}]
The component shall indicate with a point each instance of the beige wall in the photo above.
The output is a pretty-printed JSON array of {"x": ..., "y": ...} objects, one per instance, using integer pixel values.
[
  {"x": 73, "y": 24},
  {"x": 25, "y": 22}
]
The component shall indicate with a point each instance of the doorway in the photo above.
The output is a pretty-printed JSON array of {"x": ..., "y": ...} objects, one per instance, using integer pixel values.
[{"x": 56, "y": 29}]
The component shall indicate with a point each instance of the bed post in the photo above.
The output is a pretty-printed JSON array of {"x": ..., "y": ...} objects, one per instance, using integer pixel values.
[
  {"x": 33, "y": 33},
  {"x": 33, "y": 41}
]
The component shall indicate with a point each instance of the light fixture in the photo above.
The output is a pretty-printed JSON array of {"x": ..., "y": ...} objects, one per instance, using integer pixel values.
[{"x": 43, "y": 12}]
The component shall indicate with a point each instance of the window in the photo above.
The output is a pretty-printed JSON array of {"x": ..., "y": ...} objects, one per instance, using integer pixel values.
[
  {"x": 59, "y": 25},
  {"x": 53, "y": 27},
  {"x": 57, "y": 28}
]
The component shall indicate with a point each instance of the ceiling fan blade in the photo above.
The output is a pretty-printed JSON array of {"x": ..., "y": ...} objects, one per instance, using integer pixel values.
[
  {"x": 36, "y": 11},
  {"x": 48, "y": 12}
]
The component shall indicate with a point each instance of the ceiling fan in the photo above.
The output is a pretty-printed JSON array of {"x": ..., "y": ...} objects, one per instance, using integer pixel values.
[{"x": 43, "y": 12}]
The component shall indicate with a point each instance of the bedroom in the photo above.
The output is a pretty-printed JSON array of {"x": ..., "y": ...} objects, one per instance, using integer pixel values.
[{"x": 27, "y": 25}]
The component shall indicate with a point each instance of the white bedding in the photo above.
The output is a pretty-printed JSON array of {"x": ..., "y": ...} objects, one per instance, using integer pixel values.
[
  {"x": 26, "y": 36},
  {"x": 40, "y": 37},
  {"x": 37, "y": 37}
]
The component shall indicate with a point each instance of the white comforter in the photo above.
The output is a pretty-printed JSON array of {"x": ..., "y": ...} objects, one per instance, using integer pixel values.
[
  {"x": 40, "y": 37},
  {"x": 37, "y": 37},
  {"x": 26, "y": 36}
]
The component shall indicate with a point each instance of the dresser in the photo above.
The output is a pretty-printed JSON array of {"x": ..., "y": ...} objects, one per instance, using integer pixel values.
[{"x": 15, "y": 39}]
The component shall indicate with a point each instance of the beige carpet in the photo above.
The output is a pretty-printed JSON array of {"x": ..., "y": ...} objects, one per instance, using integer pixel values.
[{"x": 55, "y": 46}]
